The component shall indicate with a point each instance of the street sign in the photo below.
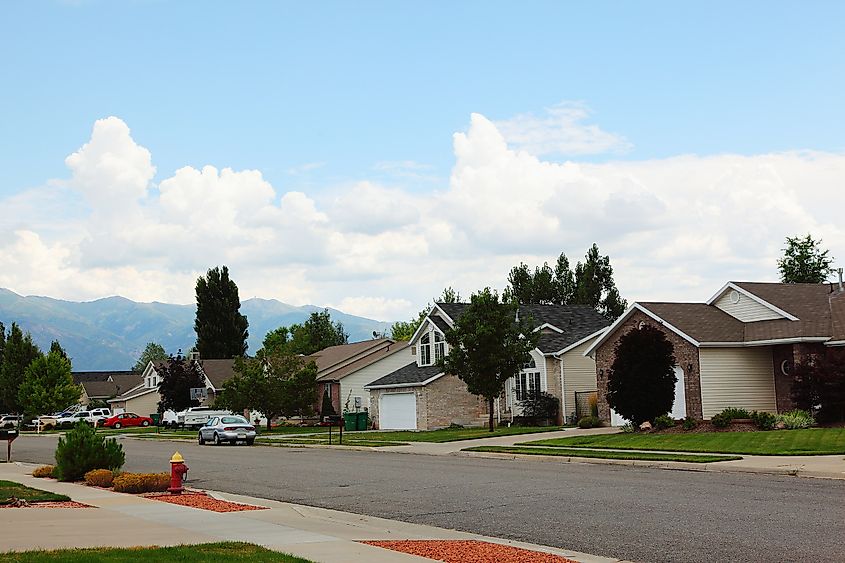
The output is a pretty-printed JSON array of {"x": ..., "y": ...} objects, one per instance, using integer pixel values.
[{"x": 199, "y": 393}]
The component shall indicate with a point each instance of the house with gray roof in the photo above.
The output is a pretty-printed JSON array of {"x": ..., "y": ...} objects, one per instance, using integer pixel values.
[
  {"x": 738, "y": 348},
  {"x": 103, "y": 385},
  {"x": 420, "y": 396}
]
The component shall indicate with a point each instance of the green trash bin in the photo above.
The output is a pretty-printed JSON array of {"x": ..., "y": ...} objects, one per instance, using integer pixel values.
[
  {"x": 362, "y": 421},
  {"x": 350, "y": 421},
  {"x": 156, "y": 418}
]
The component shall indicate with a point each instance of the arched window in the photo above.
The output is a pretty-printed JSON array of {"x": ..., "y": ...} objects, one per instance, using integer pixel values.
[
  {"x": 527, "y": 381},
  {"x": 425, "y": 349},
  {"x": 439, "y": 346}
]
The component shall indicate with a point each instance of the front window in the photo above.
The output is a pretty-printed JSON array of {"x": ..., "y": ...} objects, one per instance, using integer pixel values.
[
  {"x": 527, "y": 381},
  {"x": 439, "y": 346},
  {"x": 425, "y": 350}
]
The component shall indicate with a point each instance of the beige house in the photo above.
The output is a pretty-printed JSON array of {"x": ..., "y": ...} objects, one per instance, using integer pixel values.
[
  {"x": 420, "y": 396},
  {"x": 103, "y": 385},
  {"x": 738, "y": 348}
]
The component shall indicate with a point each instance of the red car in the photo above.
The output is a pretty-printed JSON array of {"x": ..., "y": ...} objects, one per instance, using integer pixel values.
[{"x": 127, "y": 419}]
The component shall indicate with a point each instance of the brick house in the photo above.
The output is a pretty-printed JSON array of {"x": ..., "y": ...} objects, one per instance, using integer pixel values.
[
  {"x": 420, "y": 396},
  {"x": 738, "y": 348}
]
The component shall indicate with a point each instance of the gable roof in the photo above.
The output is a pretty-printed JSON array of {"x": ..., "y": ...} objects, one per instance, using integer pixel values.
[
  {"x": 217, "y": 372},
  {"x": 334, "y": 355},
  {"x": 411, "y": 375},
  {"x": 105, "y": 384},
  {"x": 364, "y": 361}
]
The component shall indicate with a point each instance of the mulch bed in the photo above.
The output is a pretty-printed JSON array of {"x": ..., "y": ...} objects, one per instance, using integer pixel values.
[
  {"x": 53, "y": 504},
  {"x": 707, "y": 426},
  {"x": 202, "y": 500},
  {"x": 466, "y": 551}
]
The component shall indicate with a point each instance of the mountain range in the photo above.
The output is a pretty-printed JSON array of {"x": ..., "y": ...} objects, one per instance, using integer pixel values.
[{"x": 110, "y": 333}]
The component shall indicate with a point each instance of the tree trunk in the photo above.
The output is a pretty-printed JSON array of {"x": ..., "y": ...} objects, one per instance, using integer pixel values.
[
  {"x": 492, "y": 424},
  {"x": 269, "y": 426}
]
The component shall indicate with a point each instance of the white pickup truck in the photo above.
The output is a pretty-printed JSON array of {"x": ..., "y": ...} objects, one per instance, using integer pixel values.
[
  {"x": 93, "y": 417},
  {"x": 196, "y": 417}
]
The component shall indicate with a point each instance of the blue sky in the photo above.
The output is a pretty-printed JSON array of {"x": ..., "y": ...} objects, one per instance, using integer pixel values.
[{"x": 320, "y": 97}]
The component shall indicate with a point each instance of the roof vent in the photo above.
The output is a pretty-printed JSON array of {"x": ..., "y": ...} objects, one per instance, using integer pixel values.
[{"x": 735, "y": 297}]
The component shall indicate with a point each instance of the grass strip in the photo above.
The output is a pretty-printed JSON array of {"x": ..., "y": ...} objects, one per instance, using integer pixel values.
[
  {"x": 325, "y": 442},
  {"x": 808, "y": 441},
  {"x": 449, "y": 434},
  {"x": 224, "y": 551},
  {"x": 602, "y": 454},
  {"x": 10, "y": 489}
]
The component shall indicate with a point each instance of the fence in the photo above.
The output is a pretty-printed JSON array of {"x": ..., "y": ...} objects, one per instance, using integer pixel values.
[{"x": 582, "y": 403}]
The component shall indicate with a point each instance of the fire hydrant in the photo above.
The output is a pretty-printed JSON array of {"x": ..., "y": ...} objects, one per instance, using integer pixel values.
[{"x": 178, "y": 470}]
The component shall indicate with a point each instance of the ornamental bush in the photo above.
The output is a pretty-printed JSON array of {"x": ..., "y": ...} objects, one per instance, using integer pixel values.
[
  {"x": 540, "y": 408},
  {"x": 763, "y": 420},
  {"x": 690, "y": 423},
  {"x": 589, "y": 422},
  {"x": 141, "y": 482},
  {"x": 724, "y": 418},
  {"x": 99, "y": 478},
  {"x": 82, "y": 450},
  {"x": 664, "y": 421},
  {"x": 43, "y": 471},
  {"x": 795, "y": 419}
]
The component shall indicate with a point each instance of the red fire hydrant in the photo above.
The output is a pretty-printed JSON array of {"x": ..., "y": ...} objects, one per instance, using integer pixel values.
[{"x": 178, "y": 470}]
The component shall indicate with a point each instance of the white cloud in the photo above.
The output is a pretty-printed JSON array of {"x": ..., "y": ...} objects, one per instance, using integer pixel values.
[
  {"x": 561, "y": 131},
  {"x": 675, "y": 228}
]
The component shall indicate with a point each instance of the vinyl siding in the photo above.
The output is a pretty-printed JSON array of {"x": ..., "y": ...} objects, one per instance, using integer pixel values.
[
  {"x": 747, "y": 310},
  {"x": 579, "y": 374},
  {"x": 143, "y": 405},
  {"x": 737, "y": 377},
  {"x": 355, "y": 382}
]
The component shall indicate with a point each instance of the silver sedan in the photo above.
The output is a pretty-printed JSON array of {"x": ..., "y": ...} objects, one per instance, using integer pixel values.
[{"x": 227, "y": 428}]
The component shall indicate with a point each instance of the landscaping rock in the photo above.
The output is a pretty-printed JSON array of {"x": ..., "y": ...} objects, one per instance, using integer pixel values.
[{"x": 645, "y": 426}]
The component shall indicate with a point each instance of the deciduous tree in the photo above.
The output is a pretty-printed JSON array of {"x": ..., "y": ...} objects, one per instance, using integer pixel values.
[
  {"x": 641, "y": 381},
  {"x": 178, "y": 377},
  {"x": 48, "y": 385},
  {"x": 487, "y": 346},
  {"x": 153, "y": 352},
  {"x": 819, "y": 385},
  {"x": 402, "y": 330},
  {"x": 221, "y": 328},
  {"x": 804, "y": 261}
]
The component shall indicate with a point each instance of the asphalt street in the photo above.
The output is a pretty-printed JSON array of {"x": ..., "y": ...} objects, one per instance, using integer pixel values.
[{"x": 624, "y": 512}]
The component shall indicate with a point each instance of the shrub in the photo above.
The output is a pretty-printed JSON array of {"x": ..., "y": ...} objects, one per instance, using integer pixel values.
[
  {"x": 627, "y": 428},
  {"x": 819, "y": 384},
  {"x": 99, "y": 478},
  {"x": 664, "y": 421},
  {"x": 539, "y": 408},
  {"x": 589, "y": 422},
  {"x": 594, "y": 405},
  {"x": 690, "y": 423},
  {"x": 43, "y": 471},
  {"x": 796, "y": 419},
  {"x": 724, "y": 418},
  {"x": 763, "y": 420},
  {"x": 83, "y": 450},
  {"x": 141, "y": 482}
]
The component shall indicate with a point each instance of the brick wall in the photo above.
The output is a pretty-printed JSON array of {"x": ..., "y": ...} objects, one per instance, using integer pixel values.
[
  {"x": 783, "y": 383},
  {"x": 685, "y": 353},
  {"x": 447, "y": 401}
]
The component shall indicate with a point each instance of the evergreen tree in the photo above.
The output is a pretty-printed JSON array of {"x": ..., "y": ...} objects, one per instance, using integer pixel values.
[
  {"x": 19, "y": 352},
  {"x": 56, "y": 348},
  {"x": 48, "y": 385},
  {"x": 2, "y": 342},
  {"x": 221, "y": 328},
  {"x": 804, "y": 261},
  {"x": 488, "y": 346},
  {"x": 152, "y": 353}
]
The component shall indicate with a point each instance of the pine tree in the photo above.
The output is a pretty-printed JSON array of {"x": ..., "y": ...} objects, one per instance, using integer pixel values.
[
  {"x": 221, "y": 328},
  {"x": 18, "y": 353}
]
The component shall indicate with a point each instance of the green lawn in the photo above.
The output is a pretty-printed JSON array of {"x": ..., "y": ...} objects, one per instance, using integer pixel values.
[
  {"x": 581, "y": 452},
  {"x": 228, "y": 551},
  {"x": 446, "y": 434},
  {"x": 9, "y": 489},
  {"x": 325, "y": 441},
  {"x": 294, "y": 430},
  {"x": 810, "y": 441}
]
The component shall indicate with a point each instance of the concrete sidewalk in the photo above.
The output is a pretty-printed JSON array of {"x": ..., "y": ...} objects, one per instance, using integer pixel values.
[{"x": 122, "y": 520}]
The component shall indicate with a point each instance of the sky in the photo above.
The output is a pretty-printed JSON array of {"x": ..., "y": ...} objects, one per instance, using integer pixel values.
[{"x": 365, "y": 155}]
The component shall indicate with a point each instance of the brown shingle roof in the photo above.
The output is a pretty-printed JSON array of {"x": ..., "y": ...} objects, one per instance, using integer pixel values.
[
  {"x": 218, "y": 371},
  {"x": 837, "y": 312},
  {"x": 701, "y": 322},
  {"x": 334, "y": 355},
  {"x": 810, "y": 302},
  {"x": 364, "y": 361}
]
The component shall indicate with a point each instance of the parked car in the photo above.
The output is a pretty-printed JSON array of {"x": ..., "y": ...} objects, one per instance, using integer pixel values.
[
  {"x": 196, "y": 417},
  {"x": 127, "y": 419},
  {"x": 9, "y": 421},
  {"x": 83, "y": 416},
  {"x": 227, "y": 428},
  {"x": 101, "y": 414},
  {"x": 46, "y": 422}
]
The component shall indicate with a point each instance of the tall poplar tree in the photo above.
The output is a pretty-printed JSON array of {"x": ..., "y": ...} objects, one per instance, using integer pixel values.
[
  {"x": 19, "y": 352},
  {"x": 221, "y": 328}
]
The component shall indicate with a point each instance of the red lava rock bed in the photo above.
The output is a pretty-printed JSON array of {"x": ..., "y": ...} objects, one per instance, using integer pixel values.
[
  {"x": 51, "y": 504},
  {"x": 469, "y": 551},
  {"x": 204, "y": 501}
]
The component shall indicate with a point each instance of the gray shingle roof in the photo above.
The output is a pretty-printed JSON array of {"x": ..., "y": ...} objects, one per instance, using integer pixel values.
[
  {"x": 409, "y": 374},
  {"x": 440, "y": 323}
]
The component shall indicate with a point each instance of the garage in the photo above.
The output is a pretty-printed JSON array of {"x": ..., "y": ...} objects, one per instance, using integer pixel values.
[{"x": 398, "y": 411}]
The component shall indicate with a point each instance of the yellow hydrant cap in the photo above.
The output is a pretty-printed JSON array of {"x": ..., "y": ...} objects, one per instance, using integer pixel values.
[{"x": 177, "y": 458}]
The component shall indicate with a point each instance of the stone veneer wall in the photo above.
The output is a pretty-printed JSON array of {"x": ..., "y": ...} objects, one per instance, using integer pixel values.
[
  {"x": 685, "y": 353},
  {"x": 553, "y": 384}
]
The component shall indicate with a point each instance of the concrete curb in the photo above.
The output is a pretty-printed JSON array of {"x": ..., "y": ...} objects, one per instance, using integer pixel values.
[{"x": 665, "y": 465}]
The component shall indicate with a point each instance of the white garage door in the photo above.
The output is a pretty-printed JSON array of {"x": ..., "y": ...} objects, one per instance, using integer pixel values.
[{"x": 398, "y": 411}]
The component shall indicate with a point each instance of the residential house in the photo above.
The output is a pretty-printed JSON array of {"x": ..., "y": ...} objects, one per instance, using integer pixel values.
[
  {"x": 737, "y": 349},
  {"x": 103, "y": 385},
  {"x": 344, "y": 370},
  {"x": 420, "y": 396}
]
